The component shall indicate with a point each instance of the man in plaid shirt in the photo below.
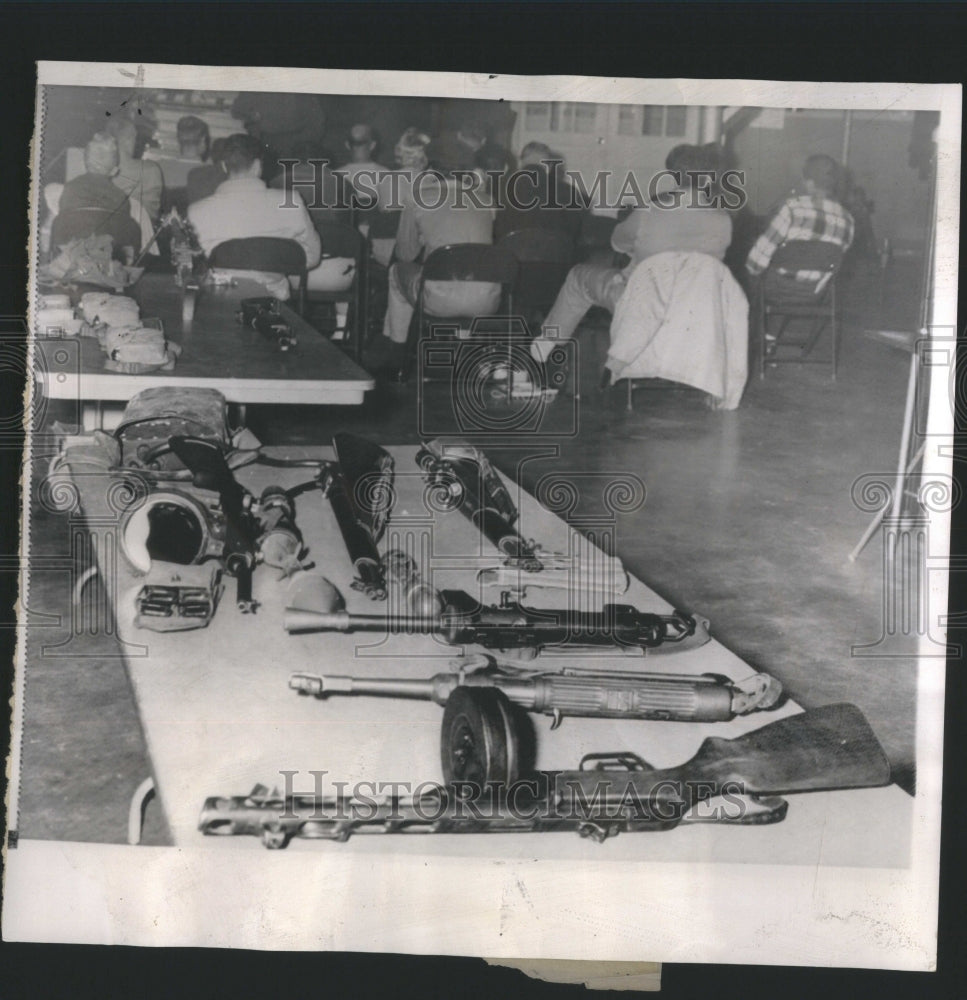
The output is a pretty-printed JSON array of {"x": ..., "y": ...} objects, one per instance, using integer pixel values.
[{"x": 812, "y": 215}]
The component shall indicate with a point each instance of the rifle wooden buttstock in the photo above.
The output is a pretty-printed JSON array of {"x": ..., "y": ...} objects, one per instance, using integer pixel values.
[{"x": 824, "y": 749}]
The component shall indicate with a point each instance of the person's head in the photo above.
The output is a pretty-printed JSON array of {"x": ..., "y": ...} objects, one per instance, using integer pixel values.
[
  {"x": 821, "y": 174},
  {"x": 193, "y": 137},
  {"x": 361, "y": 143},
  {"x": 410, "y": 150},
  {"x": 217, "y": 155},
  {"x": 472, "y": 133},
  {"x": 125, "y": 133},
  {"x": 696, "y": 166},
  {"x": 681, "y": 159},
  {"x": 242, "y": 156},
  {"x": 101, "y": 155},
  {"x": 491, "y": 160},
  {"x": 537, "y": 154}
]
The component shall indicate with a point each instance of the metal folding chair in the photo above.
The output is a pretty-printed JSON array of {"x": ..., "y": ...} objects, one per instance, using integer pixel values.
[
  {"x": 780, "y": 296},
  {"x": 343, "y": 240},
  {"x": 264, "y": 253},
  {"x": 545, "y": 256},
  {"x": 461, "y": 262}
]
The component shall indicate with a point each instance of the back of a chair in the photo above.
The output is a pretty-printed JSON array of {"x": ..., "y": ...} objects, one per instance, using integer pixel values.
[
  {"x": 79, "y": 223},
  {"x": 545, "y": 256},
  {"x": 471, "y": 262},
  {"x": 540, "y": 246},
  {"x": 261, "y": 253},
  {"x": 340, "y": 240},
  {"x": 808, "y": 255},
  {"x": 384, "y": 225}
]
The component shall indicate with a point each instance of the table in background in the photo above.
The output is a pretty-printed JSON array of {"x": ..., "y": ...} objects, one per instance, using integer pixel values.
[{"x": 217, "y": 353}]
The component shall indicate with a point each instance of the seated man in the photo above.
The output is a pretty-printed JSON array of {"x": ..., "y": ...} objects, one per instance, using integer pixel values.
[
  {"x": 243, "y": 207},
  {"x": 679, "y": 220},
  {"x": 194, "y": 142},
  {"x": 204, "y": 180},
  {"x": 93, "y": 203},
  {"x": 437, "y": 216},
  {"x": 362, "y": 143},
  {"x": 811, "y": 213},
  {"x": 684, "y": 318},
  {"x": 139, "y": 178},
  {"x": 281, "y": 122},
  {"x": 458, "y": 150},
  {"x": 535, "y": 196}
]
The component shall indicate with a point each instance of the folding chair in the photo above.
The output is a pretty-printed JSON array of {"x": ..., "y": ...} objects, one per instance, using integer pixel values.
[
  {"x": 264, "y": 253},
  {"x": 545, "y": 256},
  {"x": 780, "y": 296},
  {"x": 342, "y": 240},
  {"x": 461, "y": 262}
]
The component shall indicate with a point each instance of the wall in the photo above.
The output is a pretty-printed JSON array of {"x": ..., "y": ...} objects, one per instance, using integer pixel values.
[
  {"x": 604, "y": 147},
  {"x": 878, "y": 161}
]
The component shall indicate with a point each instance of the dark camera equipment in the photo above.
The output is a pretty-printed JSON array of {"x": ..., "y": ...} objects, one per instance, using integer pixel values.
[{"x": 264, "y": 315}]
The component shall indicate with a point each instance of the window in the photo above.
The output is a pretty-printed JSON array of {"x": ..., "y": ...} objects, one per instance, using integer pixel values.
[
  {"x": 653, "y": 119},
  {"x": 629, "y": 116},
  {"x": 560, "y": 116},
  {"x": 660, "y": 119},
  {"x": 675, "y": 118}
]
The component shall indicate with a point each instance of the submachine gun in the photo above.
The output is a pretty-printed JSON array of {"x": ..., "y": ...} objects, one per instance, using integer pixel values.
[{"x": 736, "y": 781}]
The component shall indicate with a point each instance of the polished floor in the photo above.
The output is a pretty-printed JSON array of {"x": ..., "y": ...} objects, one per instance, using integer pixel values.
[{"x": 748, "y": 517}]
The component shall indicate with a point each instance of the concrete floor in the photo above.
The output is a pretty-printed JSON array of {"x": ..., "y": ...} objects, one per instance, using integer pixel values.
[{"x": 748, "y": 518}]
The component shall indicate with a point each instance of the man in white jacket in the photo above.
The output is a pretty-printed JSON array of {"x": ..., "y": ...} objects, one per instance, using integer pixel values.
[{"x": 243, "y": 207}]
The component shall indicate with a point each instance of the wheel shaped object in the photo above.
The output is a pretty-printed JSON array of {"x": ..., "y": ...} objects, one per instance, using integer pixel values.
[{"x": 478, "y": 741}]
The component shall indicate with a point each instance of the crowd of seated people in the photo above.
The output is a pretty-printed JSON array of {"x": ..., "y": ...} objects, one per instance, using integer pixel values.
[{"x": 426, "y": 192}]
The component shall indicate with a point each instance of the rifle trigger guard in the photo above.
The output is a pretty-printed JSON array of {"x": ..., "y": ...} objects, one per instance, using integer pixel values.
[{"x": 614, "y": 761}]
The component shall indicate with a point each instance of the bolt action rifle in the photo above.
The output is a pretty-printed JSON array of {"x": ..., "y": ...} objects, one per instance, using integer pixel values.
[{"x": 511, "y": 626}]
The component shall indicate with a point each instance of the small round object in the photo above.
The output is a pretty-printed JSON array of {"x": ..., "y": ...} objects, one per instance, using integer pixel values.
[{"x": 478, "y": 741}]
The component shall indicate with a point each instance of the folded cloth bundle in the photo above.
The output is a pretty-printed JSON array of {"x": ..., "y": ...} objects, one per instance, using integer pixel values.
[
  {"x": 135, "y": 350},
  {"x": 114, "y": 310},
  {"x": 56, "y": 322},
  {"x": 88, "y": 260}
]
